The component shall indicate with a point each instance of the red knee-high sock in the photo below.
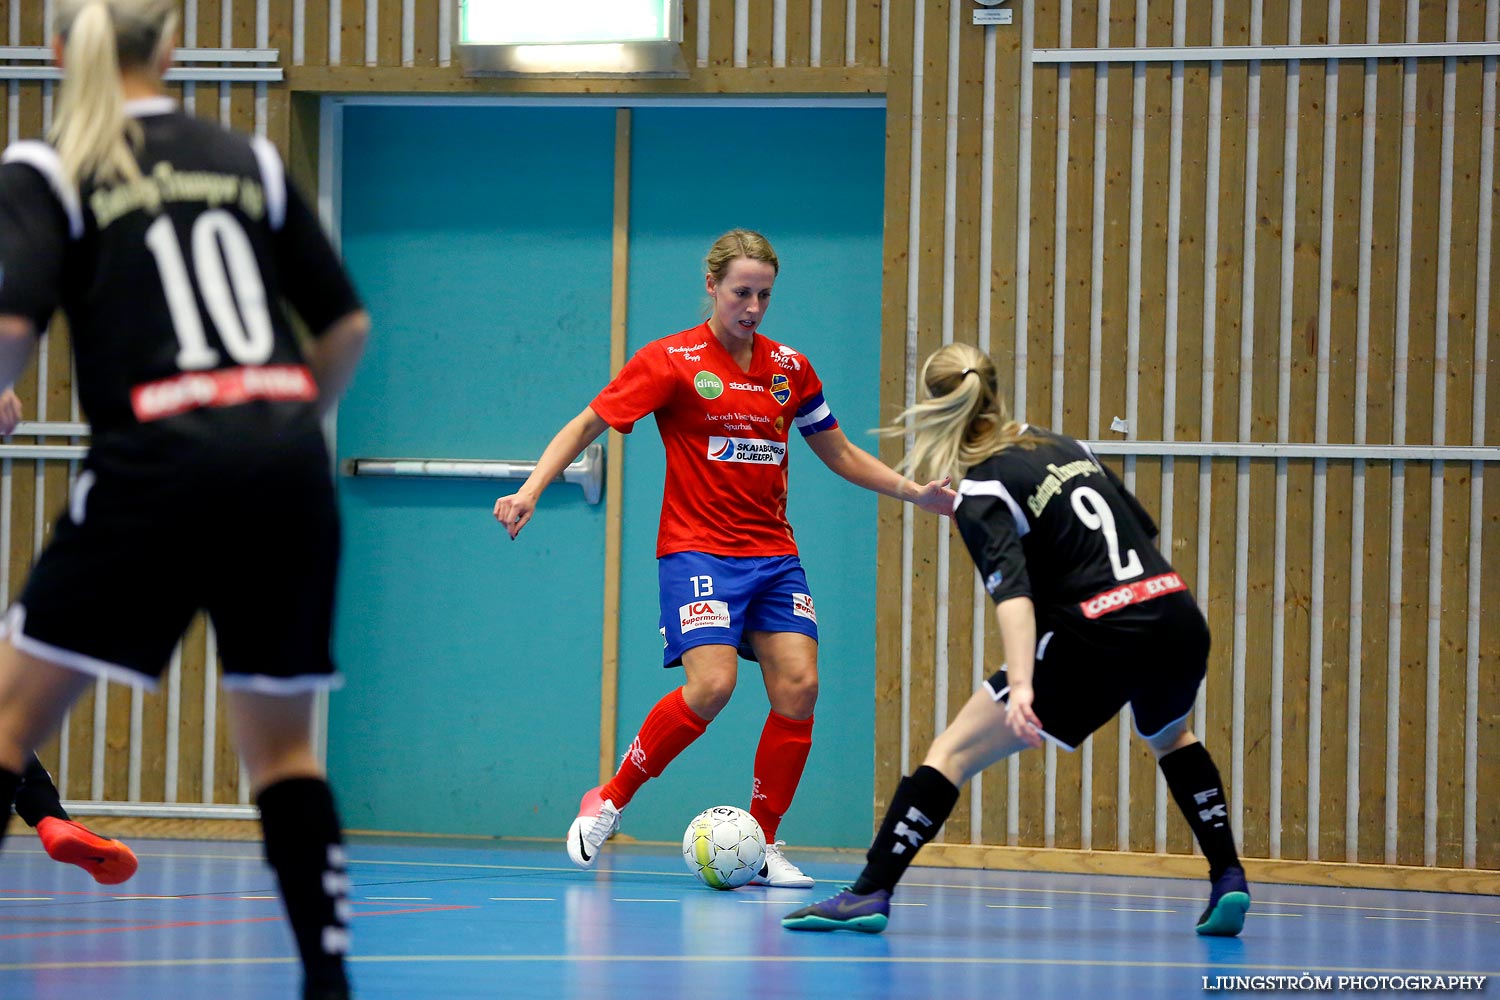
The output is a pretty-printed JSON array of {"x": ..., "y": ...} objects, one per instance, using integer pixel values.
[
  {"x": 779, "y": 759},
  {"x": 667, "y": 731}
]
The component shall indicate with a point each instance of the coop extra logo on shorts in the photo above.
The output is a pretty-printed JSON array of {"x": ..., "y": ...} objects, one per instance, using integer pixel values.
[
  {"x": 709, "y": 385},
  {"x": 222, "y": 387},
  {"x": 1131, "y": 593},
  {"x": 802, "y": 607},
  {"x": 756, "y": 451},
  {"x": 703, "y": 614}
]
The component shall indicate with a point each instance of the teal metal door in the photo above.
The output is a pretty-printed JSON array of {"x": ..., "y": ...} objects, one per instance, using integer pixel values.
[{"x": 480, "y": 240}]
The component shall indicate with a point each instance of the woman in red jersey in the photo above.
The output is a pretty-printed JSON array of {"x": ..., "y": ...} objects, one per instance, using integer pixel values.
[{"x": 725, "y": 400}]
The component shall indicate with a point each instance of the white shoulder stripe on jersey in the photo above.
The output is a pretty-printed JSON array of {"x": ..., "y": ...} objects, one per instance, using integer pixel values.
[
  {"x": 993, "y": 488},
  {"x": 1092, "y": 457},
  {"x": 272, "y": 178},
  {"x": 145, "y": 107},
  {"x": 44, "y": 160}
]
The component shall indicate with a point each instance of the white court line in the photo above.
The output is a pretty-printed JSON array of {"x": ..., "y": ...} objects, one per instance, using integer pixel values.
[
  {"x": 1138, "y": 909},
  {"x": 1015, "y": 906},
  {"x": 1370, "y": 916},
  {"x": 620, "y": 900},
  {"x": 401, "y": 899},
  {"x": 705, "y": 960},
  {"x": 1262, "y": 913},
  {"x": 25, "y": 899},
  {"x": 145, "y": 897},
  {"x": 257, "y": 897},
  {"x": 523, "y": 899},
  {"x": 908, "y": 904}
]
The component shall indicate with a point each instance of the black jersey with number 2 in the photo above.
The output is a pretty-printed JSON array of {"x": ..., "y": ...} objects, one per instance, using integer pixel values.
[
  {"x": 173, "y": 285},
  {"x": 1045, "y": 519}
]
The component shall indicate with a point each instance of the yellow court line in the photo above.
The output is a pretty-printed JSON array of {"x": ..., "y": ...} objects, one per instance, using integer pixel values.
[{"x": 974, "y": 960}]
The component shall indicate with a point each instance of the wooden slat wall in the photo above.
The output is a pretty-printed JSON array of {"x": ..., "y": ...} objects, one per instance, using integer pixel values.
[{"x": 1323, "y": 792}]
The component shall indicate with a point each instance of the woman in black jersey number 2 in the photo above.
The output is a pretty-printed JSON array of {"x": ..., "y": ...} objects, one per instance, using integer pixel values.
[
  {"x": 1091, "y": 616},
  {"x": 170, "y": 244}
]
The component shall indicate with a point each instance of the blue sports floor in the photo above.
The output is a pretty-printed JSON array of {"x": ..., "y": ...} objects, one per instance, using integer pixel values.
[{"x": 201, "y": 920}]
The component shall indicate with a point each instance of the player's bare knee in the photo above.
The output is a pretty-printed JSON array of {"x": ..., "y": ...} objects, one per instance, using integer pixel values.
[
  {"x": 267, "y": 767},
  {"x": 1174, "y": 737},
  {"x": 795, "y": 697},
  {"x": 707, "y": 694}
]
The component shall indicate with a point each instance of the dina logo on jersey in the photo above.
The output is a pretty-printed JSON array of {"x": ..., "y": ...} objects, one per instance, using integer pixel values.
[
  {"x": 781, "y": 389},
  {"x": 709, "y": 385}
]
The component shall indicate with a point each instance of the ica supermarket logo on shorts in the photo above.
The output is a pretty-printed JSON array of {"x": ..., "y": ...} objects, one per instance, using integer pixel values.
[
  {"x": 703, "y": 614},
  {"x": 757, "y": 451},
  {"x": 802, "y": 607},
  {"x": 709, "y": 385}
]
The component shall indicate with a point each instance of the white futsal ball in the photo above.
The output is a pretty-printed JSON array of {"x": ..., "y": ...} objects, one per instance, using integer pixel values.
[{"x": 724, "y": 847}]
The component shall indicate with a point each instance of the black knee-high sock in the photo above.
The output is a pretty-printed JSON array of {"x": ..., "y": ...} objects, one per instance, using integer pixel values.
[
  {"x": 918, "y": 810},
  {"x": 38, "y": 797},
  {"x": 1199, "y": 792},
  {"x": 9, "y": 782},
  {"x": 305, "y": 847}
]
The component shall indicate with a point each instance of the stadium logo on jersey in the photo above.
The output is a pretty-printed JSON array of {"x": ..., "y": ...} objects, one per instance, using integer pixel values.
[
  {"x": 786, "y": 358},
  {"x": 781, "y": 389},
  {"x": 709, "y": 385},
  {"x": 756, "y": 451},
  {"x": 703, "y": 614},
  {"x": 802, "y": 607},
  {"x": 747, "y": 387}
]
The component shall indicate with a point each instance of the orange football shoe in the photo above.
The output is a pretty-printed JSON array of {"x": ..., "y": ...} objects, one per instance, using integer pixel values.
[{"x": 109, "y": 861}]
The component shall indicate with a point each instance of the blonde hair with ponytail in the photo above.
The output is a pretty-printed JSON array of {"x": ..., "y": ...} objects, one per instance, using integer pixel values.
[
  {"x": 962, "y": 421},
  {"x": 101, "y": 40}
]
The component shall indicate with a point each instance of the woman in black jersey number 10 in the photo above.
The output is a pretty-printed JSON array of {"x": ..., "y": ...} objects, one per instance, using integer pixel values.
[
  {"x": 1092, "y": 618},
  {"x": 171, "y": 244}
]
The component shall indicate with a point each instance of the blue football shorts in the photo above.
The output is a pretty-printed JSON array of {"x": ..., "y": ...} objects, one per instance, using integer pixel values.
[{"x": 716, "y": 600}]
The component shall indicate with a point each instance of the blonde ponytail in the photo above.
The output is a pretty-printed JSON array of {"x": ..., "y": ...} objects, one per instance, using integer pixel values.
[
  {"x": 962, "y": 421},
  {"x": 102, "y": 39}
]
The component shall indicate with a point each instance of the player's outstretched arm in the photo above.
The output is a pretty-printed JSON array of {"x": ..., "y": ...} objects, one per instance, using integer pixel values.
[
  {"x": 10, "y": 411},
  {"x": 17, "y": 339},
  {"x": 863, "y": 469},
  {"x": 333, "y": 356},
  {"x": 514, "y": 512},
  {"x": 1016, "y": 617}
]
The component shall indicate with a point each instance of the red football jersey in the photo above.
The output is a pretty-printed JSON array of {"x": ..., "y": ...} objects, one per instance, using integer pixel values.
[{"x": 725, "y": 432}]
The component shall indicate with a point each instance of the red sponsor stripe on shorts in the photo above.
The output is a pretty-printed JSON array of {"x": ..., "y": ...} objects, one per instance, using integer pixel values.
[
  {"x": 1131, "y": 593},
  {"x": 222, "y": 387}
]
